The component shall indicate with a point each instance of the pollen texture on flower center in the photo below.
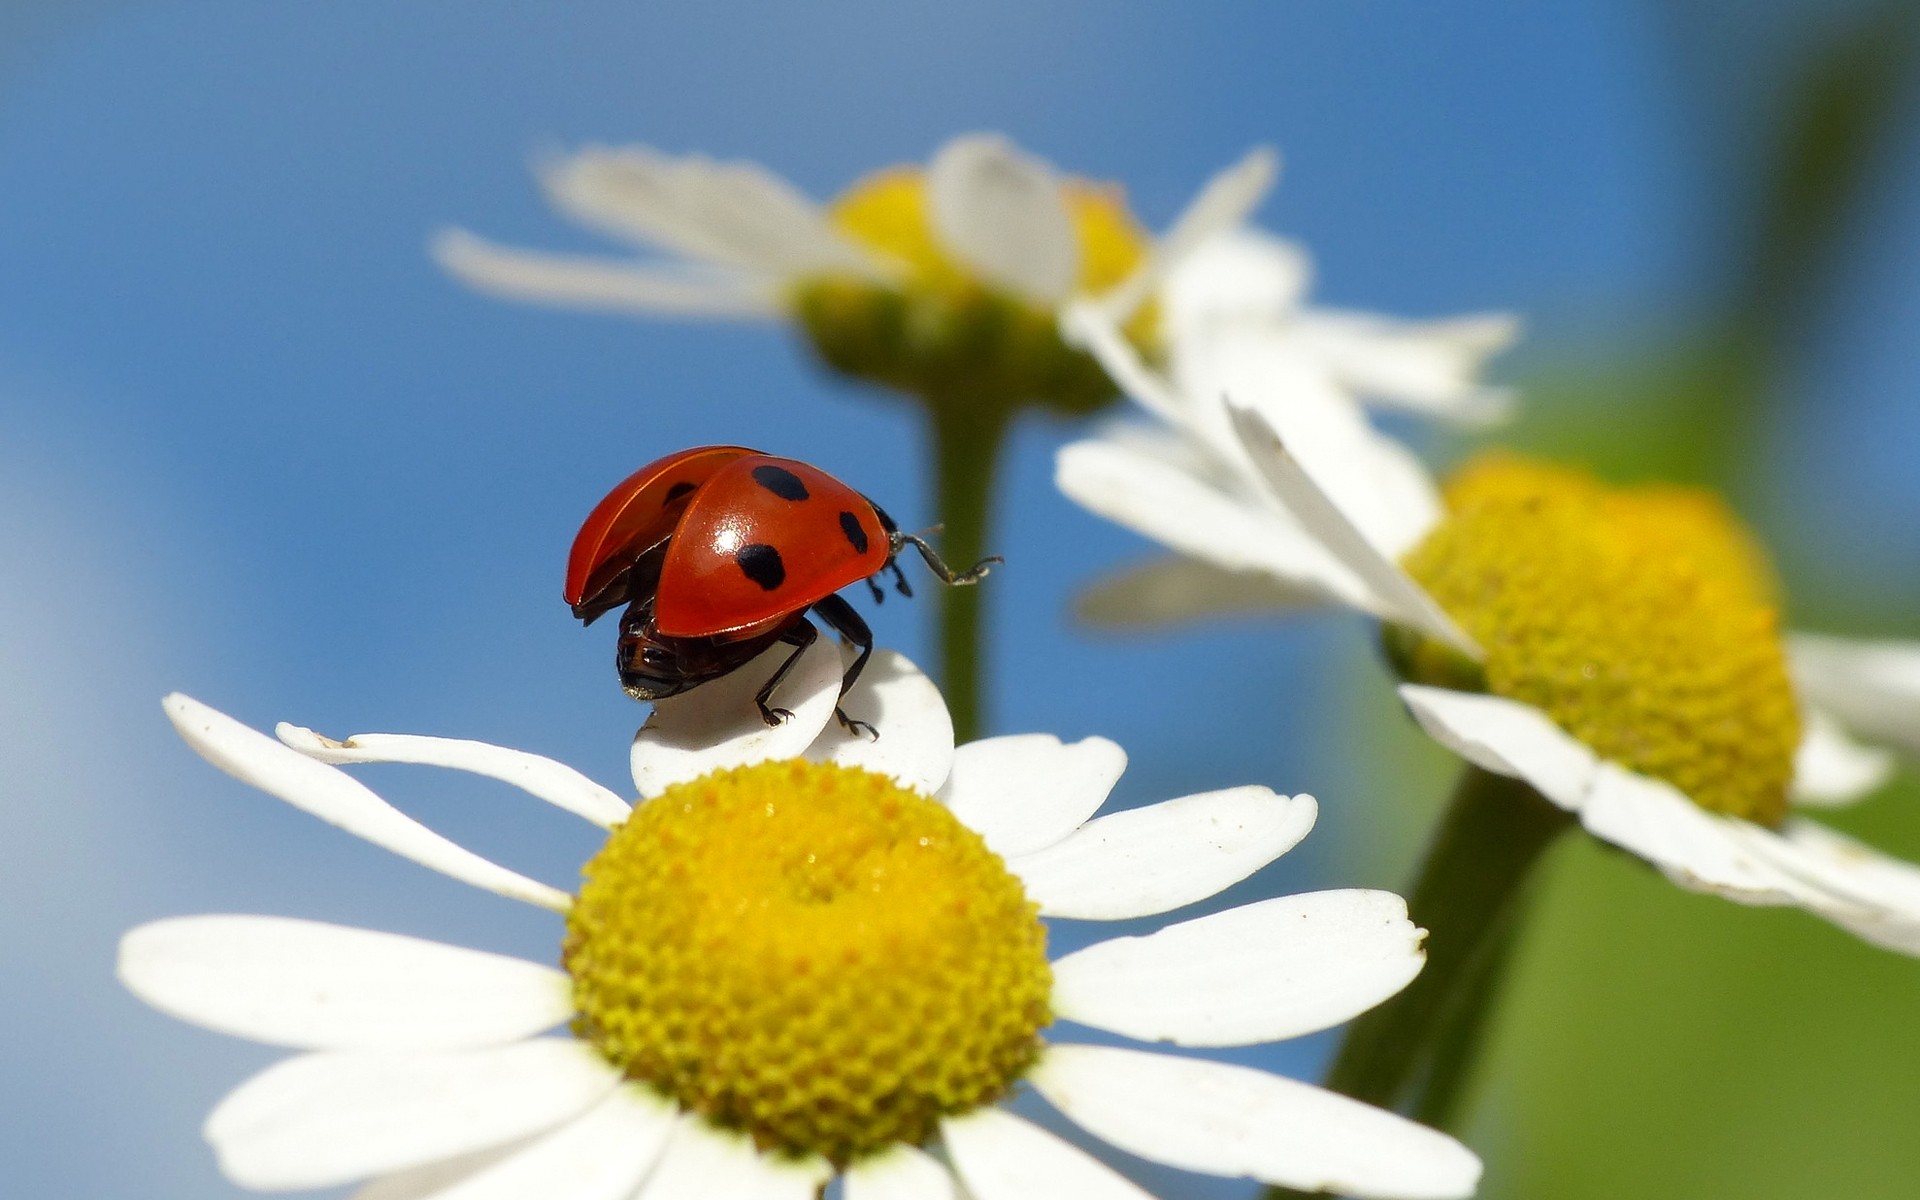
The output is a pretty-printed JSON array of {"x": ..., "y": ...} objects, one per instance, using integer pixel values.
[
  {"x": 1641, "y": 620},
  {"x": 941, "y": 327},
  {"x": 809, "y": 953}
]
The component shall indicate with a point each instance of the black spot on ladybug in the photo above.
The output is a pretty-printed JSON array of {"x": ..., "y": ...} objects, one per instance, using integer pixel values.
[
  {"x": 781, "y": 482},
  {"x": 856, "y": 536},
  {"x": 676, "y": 491},
  {"x": 762, "y": 564}
]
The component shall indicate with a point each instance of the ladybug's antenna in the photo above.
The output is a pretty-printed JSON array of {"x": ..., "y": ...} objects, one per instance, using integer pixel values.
[{"x": 935, "y": 563}]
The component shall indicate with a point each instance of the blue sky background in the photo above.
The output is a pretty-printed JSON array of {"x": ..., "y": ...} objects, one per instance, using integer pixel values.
[{"x": 255, "y": 447}]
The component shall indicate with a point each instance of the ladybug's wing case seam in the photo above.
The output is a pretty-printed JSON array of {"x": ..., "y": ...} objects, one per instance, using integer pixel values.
[{"x": 639, "y": 513}]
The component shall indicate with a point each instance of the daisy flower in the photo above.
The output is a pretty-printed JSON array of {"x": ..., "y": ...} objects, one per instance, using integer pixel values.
[
  {"x": 1236, "y": 324},
  {"x": 1616, "y": 648},
  {"x": 800, "y": 955},
  {"x": 945, "y": 278}
]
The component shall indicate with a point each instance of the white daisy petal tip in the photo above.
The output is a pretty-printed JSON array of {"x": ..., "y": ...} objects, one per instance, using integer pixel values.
[
  {"x": 1025, "y": 792},
  {"x": 719, "y": 725},
  {"x": 1831, "y": 768},
  {"x": 1164, "y": 856},
  {"x": 912, "y": 731}
]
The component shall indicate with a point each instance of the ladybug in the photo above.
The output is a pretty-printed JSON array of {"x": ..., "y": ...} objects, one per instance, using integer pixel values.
[{"x": 719, "y": 552}]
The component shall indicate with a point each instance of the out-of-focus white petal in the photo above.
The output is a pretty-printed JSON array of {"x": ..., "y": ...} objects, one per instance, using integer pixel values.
[
  {"x": 1395, "y": 593},
  {"x": 1885, "y": 889},
  {"x": 556, "y": 783},
  {"x": 425, "y": 1182},
  {"x": 1698, "y": 850},
  {"x": 705, "y": 1163},
  {"x": 1160, "y": 857},
  {"x": 601, "y": 1155},
  {"x": 1428, "y": 367},
  {"x": 735, "y": 213},
  {"x": 1091, "y": 328},
  {"x": 329, "y": 1118},
  {"x": 1871, "y": 687},
  {"x": 1243, "y": 276},
  {"x": 317, "y": 986},
  {"x": 1002, "y": 213},
  {"x": 1184, "y": 512},
  {"x": 1508, "y": 738},
  {"x": 999, "y": 1156},
  {"x": 1830, "y": 768},
  {"x": 1223, "y": 203},
  {"x": 718, "y": 725},
  {"x": 902, "y": 1173},
  {"x": 1025, "y": 792},
  {"x": 1258, "y": 973},
  {"x": 906, "y": 710},
  {"x": 1177, "y": 590},
  {"x": 339, "y": 799},
  {"x": 1236, "y": 1121},
  {"x": 577, "y": 281}
]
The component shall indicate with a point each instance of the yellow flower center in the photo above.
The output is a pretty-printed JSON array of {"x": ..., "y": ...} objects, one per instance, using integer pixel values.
[
  {"x": 1642, "y": 620},
  {"x": 809, "y": 953},
  {"x": 941, "y": 330}
]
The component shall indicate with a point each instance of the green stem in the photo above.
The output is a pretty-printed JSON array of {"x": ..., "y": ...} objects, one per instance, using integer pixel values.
[
  {"x": 1416, "y": 1051},
  {"x": 1469, "y": 898},
  {"x": 966, "y": 451}
]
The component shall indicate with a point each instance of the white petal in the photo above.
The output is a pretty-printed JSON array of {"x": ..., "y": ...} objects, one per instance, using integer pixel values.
[
  {"x": 1240, "y": 275},
  {"x": 1398, "y": 595},
  {"x": 902, "y": 1173},
  {"x": 425, "y": 1181},
  {"x": 1884, "y": 891},
  {"x": 601, "y": 1155},
  {"x": 1429, "y": 367},
  {"x": 999, "y": 1156},
  {"x": 1698, "y": 850},
  {"x": 915, "y": 742},
  {"x": 737, "y": 214},
  {"x": 1508, "y": 738},
  {"x": 1193, "y": 515},
  {"x": 1090, "y": 327},
  {"x": 1873, "y": 688},
  {"x": 1236, "y": 1121},
  {"x": 603, "y": 284},
  {"x": 554, "y": 782},
  {"x": 1001, "y": 212},
  {"x": 1258, "y": 973},
  {"x": 704, "y": 1163},
  {"x": 339, "y": 799},
  {"x": 718, "y": 724},
  {"x": 1223, "y": 203},
  {"x": 1160, "y": 857},
  {"x": 322, "y": 1119},
  {"x": 316, "y": 986},
  {"x": 1174, "y": 590},
  {"x": 1831, "y": 768},
  {"x": 1027, "y": 791}
]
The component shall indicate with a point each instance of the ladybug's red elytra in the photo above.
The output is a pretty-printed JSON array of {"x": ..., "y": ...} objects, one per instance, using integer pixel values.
[{"x": 719, "y": 552}]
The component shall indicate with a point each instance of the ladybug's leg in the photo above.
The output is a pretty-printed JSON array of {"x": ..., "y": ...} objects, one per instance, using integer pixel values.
[
  {"x": 843, "y": 620},
  {"x": 938, "y": 565},
  {"x": 799, "y": 635}
]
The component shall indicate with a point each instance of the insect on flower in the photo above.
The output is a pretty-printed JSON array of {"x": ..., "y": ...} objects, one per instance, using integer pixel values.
[{"x": 719, "y": 552}]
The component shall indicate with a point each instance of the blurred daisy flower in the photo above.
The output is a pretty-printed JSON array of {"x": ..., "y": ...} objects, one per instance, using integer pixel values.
[
  {"x": 801, "y": 955},
  {"x": 938, "y": 281},
  {"x": 1616, "y": 648}
]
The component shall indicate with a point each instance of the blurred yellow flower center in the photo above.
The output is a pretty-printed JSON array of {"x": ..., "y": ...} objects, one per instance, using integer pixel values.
[
  {"x": 942, "y": 330},
  {"x": 1641, "y": 619},
  {"x": 809, "y": 953}
]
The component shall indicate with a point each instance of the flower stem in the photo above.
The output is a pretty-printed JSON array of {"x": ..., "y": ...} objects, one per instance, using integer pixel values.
[
  {"x": 1469, "y": 896},
  {"x": 966, "y": 451},
  {"x": 1416, "y": 1051}
]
